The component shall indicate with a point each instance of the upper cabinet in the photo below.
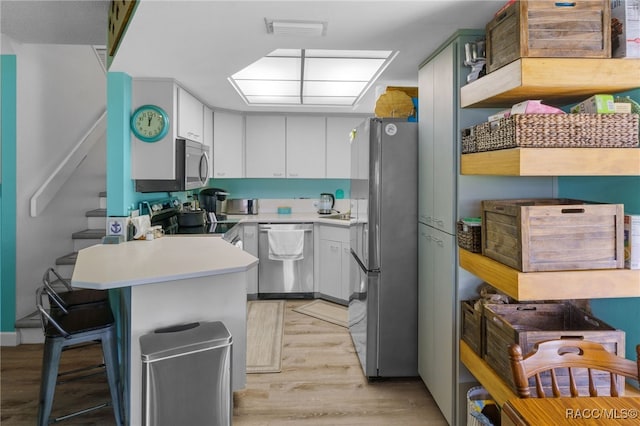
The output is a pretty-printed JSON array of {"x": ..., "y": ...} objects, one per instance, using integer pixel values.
[
  {"x": 557, "y": 81},
  {"x": 228, "y": 145},
  {"x": 339, "y": 146},
  {"x": 207, "y": 133},
  {"x": 306, "y": 154},
  {"x": 186, "y": 114},
  {"x": 265, "y": 146},
  {"x": 154, "y": 160},
  {"x": 190, "y": 116}
]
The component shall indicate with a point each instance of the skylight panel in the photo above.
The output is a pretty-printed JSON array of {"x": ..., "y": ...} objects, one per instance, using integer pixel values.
[{"x": 311, "y": 77}]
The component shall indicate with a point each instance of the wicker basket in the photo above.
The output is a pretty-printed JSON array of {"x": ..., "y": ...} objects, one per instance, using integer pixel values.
[
  {"x": 555, "y": 131},
  {"x": 469, "y": 237}
]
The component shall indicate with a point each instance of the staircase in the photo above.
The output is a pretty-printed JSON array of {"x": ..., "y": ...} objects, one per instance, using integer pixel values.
[{"x": 28, "y": 327}]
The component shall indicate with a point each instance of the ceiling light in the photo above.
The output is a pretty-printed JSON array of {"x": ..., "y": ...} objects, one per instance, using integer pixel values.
[
  {"x": 311, "y": 76},
  {"x": 296, "y": 28}
]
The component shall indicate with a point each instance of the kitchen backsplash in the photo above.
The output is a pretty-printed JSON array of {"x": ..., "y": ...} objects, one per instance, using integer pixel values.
[
  {"x": 281, "y": 188},
  {"x": 298, "y": 205}
]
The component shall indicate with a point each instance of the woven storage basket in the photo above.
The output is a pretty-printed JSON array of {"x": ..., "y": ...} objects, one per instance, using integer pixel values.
[
  {"x": 559, "y": 131},
  {"x": 469, "y": 237}
]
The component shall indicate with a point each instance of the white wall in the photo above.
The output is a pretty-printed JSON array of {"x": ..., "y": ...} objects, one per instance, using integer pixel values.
[{"x": 61, "y": 92}]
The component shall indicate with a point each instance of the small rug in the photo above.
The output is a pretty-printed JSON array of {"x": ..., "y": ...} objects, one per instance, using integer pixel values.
[
  {"x": 265, "y": 323},
  {"x": 326, "y": 311}
]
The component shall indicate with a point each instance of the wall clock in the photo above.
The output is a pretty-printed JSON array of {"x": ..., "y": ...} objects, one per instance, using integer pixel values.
[{"x": 149, "y": 123}]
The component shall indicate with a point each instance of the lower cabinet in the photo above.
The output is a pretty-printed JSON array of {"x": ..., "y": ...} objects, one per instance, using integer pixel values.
[
  {"x": 334, "y": 262},
  {"x": 250, "y": 245},
  {"x": 436, "y": 316}
]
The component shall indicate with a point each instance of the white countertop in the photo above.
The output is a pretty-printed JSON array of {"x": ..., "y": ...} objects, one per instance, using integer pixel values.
[
  {"x": 290, "y": 218},
  {"x": 106, "y": 266}
]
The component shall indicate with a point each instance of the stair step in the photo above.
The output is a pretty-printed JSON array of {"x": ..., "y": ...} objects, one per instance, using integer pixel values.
[
  {"x": 31, "y": 320},
  {"x": 96, "y": 213},
  {"x": 29, "y": 329},
  {"x": 67, "y": 259},
  {"x": 89, "y": 234}
]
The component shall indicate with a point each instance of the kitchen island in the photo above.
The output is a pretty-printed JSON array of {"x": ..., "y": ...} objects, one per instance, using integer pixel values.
[{"x": 164, "y": 282}]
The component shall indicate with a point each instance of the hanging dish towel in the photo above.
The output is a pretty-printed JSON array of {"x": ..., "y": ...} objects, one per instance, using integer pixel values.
[{"x": 286, "y": 244}]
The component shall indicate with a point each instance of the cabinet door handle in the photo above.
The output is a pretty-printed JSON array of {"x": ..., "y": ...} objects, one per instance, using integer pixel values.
[
  {"x": 293, "y": 174},
  {"x": 277, "y": 174},
  {"x": 221, "y": 173},
  {"x": 334, "y": 248}
]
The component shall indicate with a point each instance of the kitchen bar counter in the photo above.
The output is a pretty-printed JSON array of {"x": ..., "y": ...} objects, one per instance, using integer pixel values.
[
  {"x": 106, "y": 266},
  {"x": 165, "y": 282}
]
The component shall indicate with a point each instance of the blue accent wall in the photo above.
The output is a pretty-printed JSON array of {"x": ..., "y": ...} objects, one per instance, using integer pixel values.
[
  {"x": 281, "y": 188},
  {"x": 120, "y": 189},
  {"x": 8, "y": 69},
  {"x": 623, "y": 313}
]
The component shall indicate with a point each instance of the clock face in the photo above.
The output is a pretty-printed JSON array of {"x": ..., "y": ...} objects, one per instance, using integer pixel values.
[{"x": 149, "y": 123}]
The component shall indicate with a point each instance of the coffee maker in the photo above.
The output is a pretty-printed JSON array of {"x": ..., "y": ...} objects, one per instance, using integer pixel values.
[{"x": 213, "y": 200}]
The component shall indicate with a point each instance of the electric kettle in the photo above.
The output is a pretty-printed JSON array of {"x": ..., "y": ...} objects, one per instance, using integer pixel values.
[{"x": 325, "y": 205}]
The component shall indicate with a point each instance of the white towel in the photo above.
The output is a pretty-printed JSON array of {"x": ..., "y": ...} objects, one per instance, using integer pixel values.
[{"x": 286, "y": 244}]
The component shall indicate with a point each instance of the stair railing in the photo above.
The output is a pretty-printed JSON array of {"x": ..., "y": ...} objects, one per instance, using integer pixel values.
[{"x": 48, "y": 190}]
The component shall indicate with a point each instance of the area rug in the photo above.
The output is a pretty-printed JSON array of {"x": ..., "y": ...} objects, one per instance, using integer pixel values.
[
  {"x": 265, "y": 323},
  {"x": 326, "y": 311}
]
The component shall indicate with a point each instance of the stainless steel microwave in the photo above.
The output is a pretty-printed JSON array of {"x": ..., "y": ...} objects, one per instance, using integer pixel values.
[{"x": 192, "y": 170}]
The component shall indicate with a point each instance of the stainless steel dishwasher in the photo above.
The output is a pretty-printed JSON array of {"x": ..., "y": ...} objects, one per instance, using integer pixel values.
[{"x": 289, "y": 275}]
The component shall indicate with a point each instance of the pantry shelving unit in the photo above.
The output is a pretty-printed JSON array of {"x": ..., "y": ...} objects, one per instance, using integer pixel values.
[
  {"x": 558, "y": 81},
  {"x": 553, "y": 285}
]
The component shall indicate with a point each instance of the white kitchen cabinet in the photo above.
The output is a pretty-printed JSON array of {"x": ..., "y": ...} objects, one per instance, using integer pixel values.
[
  {"x": 250, "y": 245},
  {"x": 436, "y": 296},
  {"x": 306, "y": 153},
  {"x": 207, "y": 134},
  {"x": 339, "y": 146},
  {"x": 190, "y": 116},
  {"x": 437, "y": 207},
  {"x": 154, "y": 160},
  {"x": 334, "y": 262},
  {"x": 228, "y": 145},
  {"x": 265, "y": 146}
]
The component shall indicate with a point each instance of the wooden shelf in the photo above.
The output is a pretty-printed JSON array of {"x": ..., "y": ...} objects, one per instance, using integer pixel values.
[
  {"x": 560, "y": 285},
  {"x": 499, "y": 390},
  {"x": 553, "y": 162},
  {"x": 557, "y": 81}
]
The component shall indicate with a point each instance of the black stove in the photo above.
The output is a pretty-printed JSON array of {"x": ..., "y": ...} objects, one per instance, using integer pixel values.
[{"x": 165, "y": 213}]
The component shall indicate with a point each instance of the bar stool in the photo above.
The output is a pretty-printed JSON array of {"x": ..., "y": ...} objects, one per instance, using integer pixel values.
[
  {"x": 66, "y": 329},
  {"x": 72, "y": 297}
]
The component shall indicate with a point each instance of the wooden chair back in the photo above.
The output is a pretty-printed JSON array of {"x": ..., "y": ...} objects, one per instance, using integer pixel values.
[{"x": 553, "y": 357}]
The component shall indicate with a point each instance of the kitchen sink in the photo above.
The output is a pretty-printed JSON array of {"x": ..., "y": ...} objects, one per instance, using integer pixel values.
[{"x": 340, "y": 216}]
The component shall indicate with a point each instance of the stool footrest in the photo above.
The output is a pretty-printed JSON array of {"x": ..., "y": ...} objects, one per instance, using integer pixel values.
[{"x": 80, "y": 412}]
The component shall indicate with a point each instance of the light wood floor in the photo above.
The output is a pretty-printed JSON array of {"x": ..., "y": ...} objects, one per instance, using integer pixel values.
[{"x": 321, "y": 383}]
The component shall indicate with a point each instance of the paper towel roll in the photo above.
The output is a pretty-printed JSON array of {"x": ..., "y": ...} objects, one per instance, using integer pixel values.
[{"x": 141, "y": 225}]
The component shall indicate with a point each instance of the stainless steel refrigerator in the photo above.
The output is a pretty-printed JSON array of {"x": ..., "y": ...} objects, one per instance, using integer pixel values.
[{"x": 383, "y": 304}]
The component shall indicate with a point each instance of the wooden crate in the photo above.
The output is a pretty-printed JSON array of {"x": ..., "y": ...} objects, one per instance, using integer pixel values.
[
  {"x": 527, "y": 324},
  {"x": 535, "y": 235},
  {"x": 472, "y": 326},
  {"x": 547, "y": 28}
]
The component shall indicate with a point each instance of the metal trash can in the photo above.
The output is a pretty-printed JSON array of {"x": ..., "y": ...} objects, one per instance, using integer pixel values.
[{"x": 186, "y": 375}]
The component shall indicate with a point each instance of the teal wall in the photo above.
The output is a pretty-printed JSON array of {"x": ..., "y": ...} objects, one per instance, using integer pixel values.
[
  {"x": 120, "y": 190},
  {"x": 281, "y": 188},
  {"x": 620, "y": 313},
  {"x": 8, "y": 68}
]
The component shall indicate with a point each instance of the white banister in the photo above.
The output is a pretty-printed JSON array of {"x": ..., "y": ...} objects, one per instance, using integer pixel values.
[{"x": 63, "y": 171}]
